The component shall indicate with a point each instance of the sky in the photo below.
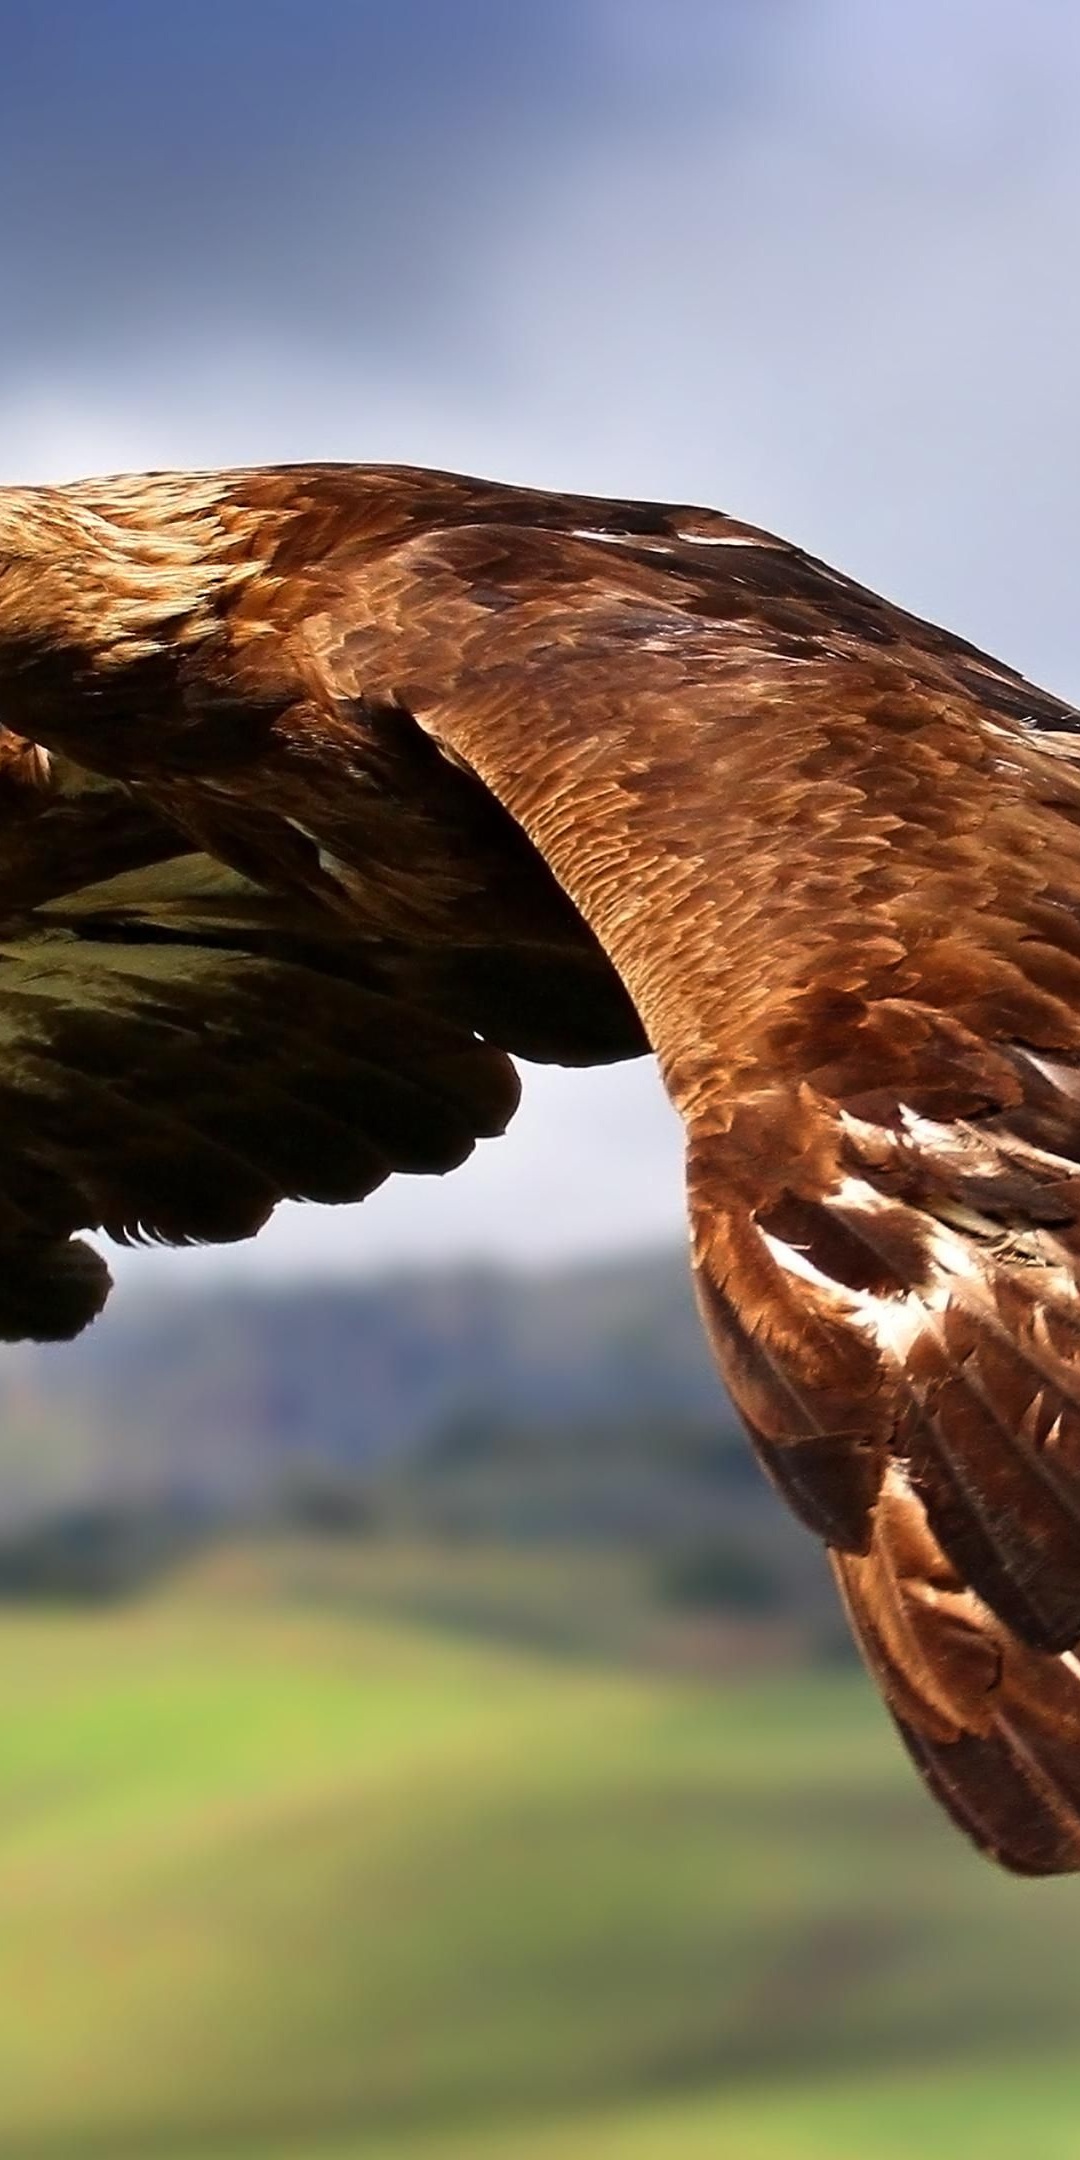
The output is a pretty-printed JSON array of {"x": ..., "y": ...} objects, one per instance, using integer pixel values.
[{"x": 812, "y": 261}]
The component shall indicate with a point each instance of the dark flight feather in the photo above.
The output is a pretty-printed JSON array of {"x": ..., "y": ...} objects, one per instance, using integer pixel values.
[{"x": 328, "y": 789}]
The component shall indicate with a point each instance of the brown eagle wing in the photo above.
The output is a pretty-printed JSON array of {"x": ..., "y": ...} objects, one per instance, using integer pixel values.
[
  {"x": 181, "y": 1047},
  {"x": 835, "y": 856}
]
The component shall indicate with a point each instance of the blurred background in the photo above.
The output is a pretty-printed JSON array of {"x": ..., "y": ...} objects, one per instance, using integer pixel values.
[{"x": 422, "y": 1733}]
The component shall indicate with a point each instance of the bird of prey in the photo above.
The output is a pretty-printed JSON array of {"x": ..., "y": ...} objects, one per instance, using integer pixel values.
[{"x": 327, "y": 790}]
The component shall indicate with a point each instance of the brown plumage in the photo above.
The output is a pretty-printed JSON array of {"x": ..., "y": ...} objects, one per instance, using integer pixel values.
[{"x": 326, "y": 790}]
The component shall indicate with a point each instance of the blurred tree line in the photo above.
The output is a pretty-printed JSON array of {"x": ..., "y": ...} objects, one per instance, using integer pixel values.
[{"x": 575, "y": 1411}]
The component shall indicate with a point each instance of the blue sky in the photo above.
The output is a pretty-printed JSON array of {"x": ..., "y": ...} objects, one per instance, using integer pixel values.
[{"x": 812, "y": 260}]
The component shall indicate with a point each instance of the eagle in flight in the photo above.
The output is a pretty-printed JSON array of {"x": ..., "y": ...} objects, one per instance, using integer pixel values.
[{"x": 326, "y": 791}]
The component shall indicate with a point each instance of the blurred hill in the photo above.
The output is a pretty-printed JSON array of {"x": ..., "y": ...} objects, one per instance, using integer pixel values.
[
  {"x": 215, "y": 1394},
  {"x": 458, "y": 1418},
  {"x": 284, "y": 1878}
]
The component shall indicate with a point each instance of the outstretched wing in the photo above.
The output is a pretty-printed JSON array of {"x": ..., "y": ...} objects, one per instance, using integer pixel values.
[{"x": 833, "y": 856}]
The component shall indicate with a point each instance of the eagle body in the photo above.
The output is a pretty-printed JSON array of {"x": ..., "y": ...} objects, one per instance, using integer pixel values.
[{"x": 326, "y": 791}]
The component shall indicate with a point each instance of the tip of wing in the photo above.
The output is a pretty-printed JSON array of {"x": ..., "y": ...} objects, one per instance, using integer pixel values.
[
  {"x": 51, "y": 1291},
  {"x": 1005, "y": 1793},
  {"x": 992, "y": 1724}
]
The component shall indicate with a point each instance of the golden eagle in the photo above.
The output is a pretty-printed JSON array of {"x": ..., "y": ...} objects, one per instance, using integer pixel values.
[{"x": 326, "y": 790}]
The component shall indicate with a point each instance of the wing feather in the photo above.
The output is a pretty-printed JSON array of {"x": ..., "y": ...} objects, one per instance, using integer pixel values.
[
  {"x": 176, "y": 1058},
  {"x": 840, "y": 874},
  {"x": 561, "y": 772}
]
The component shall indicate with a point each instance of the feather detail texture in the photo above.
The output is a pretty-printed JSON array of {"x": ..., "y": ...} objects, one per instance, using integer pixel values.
[{"x": 327, "y": 790}]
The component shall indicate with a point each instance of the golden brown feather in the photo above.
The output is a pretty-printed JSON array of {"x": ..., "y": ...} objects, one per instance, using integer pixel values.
[{"x": 327, "y": 787}]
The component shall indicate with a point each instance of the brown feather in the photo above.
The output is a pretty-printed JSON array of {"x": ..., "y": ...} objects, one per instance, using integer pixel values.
[{"x": 333, "y": 784}]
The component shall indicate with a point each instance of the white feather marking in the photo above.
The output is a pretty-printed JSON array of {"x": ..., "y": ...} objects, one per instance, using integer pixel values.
[
  {"x": 927, "y": 1132},
  {"x": 956, "y": 1143},
  {"x": 661, "y": 543},
  {"x": 1025, "y": 1151},
  {"x": 1071, "y": 1662},
  {"x": 982, "y": 1156},
  {"x": 853, "y": 1192},
  {"x": 950, "y": 1253},
  {"x": 953, "y": 1222},
  {"x": 735, "y": 539},
  {"x": 894, "y": 1322},
  {"x": 795, "y": 1262},
  {"x": 896, "y": 1484},
  {"x": 611, "y": 539}
]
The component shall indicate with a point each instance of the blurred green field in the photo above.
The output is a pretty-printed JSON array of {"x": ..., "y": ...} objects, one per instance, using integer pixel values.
[{"x": 282, "y": 1875}]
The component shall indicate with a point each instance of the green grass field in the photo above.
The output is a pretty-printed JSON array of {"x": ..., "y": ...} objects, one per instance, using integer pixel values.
[{"x": 278, "y": 1878}]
